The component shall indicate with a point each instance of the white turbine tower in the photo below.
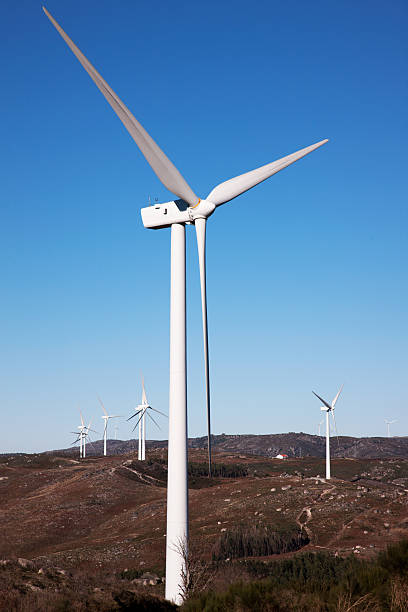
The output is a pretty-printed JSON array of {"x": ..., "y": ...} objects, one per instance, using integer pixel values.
[
  {"x": 188, "y": 209},
  {"x": 328, "y": 408},
  {"x": 80, "y": 435},
  {"x": 85, "y": 434},
  {"x": 141, "y": 411},
  {"x": 388, "y": 423},
  {"x": 106, "y": 418}
]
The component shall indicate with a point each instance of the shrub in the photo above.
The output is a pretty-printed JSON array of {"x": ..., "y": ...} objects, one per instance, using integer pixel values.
[
  {"x": 258, "y": 541},
  {"x": 127, "y": 600},
  {"x": 315, "y": 582},
  {"x": 218, "y": 470},
  {"x": 131, "y": 574}
]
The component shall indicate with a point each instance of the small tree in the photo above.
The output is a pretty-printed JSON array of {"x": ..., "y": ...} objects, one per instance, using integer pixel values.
[{"x": 197, "y": 574}]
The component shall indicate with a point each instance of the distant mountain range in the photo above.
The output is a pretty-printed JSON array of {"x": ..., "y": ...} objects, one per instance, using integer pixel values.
[{"x": 269, "y": 445}]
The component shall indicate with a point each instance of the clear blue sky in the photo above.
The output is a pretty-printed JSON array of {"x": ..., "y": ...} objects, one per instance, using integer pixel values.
[{"x": 307, "y": 273}]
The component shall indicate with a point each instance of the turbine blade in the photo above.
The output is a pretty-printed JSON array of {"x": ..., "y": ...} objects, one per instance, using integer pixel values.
[
  {"x": 144, "y": 398},
  {"x": 322, "y": 400},
  {"x": 337, "y": 396},
  {"x": 133, "y": 415},
  {"x": 200, "y": 225},
  {"x": 150, "y": 416},
  {"x": 160, "y": 163},
  {"x": 91, "y": 443},
  {"x": 140, "y": 418},
  {"x": 224, "y": 192},
  {"x": 162, "y": 413},
  {"x": 101, "y": 403},
  {"x": 335, "y": 429},
  {"x": 82, "y": 419}
]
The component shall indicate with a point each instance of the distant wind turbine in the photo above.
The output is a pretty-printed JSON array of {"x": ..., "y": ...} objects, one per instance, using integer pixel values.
[
  {"x": 328, "y": 408},
  {"x": 80, "y": 435},
  {"x": 320, "y": 424},
  {"x": 141, "y": 411},
  {"x": 85, "y": 435},
  {"x": 106, "y": 418},
  {"x": 388, "y": 426}
]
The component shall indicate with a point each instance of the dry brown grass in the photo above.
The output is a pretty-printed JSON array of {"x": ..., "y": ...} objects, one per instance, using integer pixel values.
[
  {"x": 365, "y": 603},
  {"x": 399, "y": 594}
]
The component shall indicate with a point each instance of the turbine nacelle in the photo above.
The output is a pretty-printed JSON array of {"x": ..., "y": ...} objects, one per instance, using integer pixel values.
[
  {"x": 141, "y": 407},
  {"x": 176, "y": 211}
]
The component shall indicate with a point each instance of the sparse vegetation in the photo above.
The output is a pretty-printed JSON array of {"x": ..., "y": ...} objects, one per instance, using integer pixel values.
[
  {"x": 135, "y": 602},
  {"x": 258, "y": 541},
  {"x": 311, "y": 582},
  {"x": 218, "y": 470}
]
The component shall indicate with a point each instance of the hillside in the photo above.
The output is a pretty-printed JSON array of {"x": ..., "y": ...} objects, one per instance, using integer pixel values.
[
  {"x": 269, "y": 445},
  {"x": 77, "y": 526}
]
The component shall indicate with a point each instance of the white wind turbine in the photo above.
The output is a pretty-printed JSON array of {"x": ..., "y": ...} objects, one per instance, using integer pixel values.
[
  {"x": 106, "y": 418},
  {"x": 141, "y": 411},
  {"x": 188, "y": 209},
  {"x": 320, "y": 424},
  {"x": 328, "y": 408},
  {"x": 79, "y": 435},
  {"x": 388, "y": 423},
  {"x": 84, "y": 434}
]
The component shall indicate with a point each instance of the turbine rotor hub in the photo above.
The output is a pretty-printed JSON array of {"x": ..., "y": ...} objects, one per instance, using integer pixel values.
[{"x": 202, "y": 210}]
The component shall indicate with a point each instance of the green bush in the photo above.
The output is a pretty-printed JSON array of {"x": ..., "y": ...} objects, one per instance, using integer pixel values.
[
  {"x": 129, "y": 601},
  {"x": 218, "y": 470},
  {"x": 315, "y": 582},
  {"x": 313, "y": 572},
  {"x": 395, "y": 558},
  {"x": 258, "y": 541}
]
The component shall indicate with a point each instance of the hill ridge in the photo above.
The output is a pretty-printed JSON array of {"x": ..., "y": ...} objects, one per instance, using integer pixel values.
[{"x": 293, "y": 444}]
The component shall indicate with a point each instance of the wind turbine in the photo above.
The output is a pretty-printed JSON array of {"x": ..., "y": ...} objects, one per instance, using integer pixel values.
[
  {"x": 320, "y": 424},
  {"x": 388, "y": 425},
  {"x": 106, "y": 418},
  {"x": 78, "y": 439},
  {"x": 85, "y": 434},
  {"x": 328, "y": 408},
  {"x": 188, "y": 209},
  {"x": 79, "y": 435},
  {"x": 116, "y": 431},
  {"x": 141, "y": 411}
]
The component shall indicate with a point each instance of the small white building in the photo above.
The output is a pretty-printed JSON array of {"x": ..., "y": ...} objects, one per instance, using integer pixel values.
[{"x": 283, "y": 456}]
